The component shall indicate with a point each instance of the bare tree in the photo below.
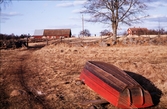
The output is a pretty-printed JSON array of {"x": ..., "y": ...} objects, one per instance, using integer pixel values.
[
  {"x": 105, "y": 33},
  {"x": 113, "y": 12},
  {"x": 85, "y": 33}
]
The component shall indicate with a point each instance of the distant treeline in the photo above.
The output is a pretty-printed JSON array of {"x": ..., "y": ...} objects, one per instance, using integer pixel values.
[
  {"x": 157, "y": 32},
  {"x": 12, "y": 36}
]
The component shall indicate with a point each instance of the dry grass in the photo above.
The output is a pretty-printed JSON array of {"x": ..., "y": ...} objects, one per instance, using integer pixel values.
[{"x": 52, "y": 71}]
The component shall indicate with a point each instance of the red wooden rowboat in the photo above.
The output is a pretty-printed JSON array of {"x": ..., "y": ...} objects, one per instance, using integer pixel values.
[{"x": 115, "y": 85}]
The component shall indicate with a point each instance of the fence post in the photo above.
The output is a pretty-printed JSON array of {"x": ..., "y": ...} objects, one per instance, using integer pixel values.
[{"x": 27, "y": 41}]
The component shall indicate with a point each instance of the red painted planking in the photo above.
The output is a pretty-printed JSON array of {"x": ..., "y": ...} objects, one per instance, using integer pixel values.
[{"x": 127, "y": 95}]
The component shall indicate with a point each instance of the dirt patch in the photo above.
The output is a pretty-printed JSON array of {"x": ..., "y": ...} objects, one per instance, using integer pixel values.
[{"x": 47, "y": 78}]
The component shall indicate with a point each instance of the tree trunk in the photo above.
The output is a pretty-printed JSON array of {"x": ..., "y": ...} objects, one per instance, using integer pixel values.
[{"x": 114, "y": 28}]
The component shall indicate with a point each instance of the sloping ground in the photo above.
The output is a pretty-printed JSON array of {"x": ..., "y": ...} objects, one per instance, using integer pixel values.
[
  {"x": 104, "y": 41},
  {"x": 47, "y": 78}
]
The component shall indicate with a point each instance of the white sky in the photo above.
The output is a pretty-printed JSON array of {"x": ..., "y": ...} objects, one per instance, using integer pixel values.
[{"x": 24, "y": 17}]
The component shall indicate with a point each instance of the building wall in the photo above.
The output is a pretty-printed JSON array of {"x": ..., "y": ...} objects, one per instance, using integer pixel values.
[
  {"x": 137, "y": 31},
  {"x": 37, "y": 37},
  {"x": 58, "y": 36}
]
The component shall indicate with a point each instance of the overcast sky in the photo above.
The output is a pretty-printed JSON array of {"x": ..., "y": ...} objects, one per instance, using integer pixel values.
[{"x": 24, "y": 17}]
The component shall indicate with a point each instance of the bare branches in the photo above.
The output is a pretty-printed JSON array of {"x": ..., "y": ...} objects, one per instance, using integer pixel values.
[
  {"x": 4, "y": 2},
  {"x": 1, "y": 1},
  {"x": 114, "y": 12}
]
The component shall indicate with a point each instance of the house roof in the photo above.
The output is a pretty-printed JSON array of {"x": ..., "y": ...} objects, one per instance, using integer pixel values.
[
  {"x": 52, "y": 32},
  {"x": 138, "y": 29},
  {"x": 38, "y": 32}
]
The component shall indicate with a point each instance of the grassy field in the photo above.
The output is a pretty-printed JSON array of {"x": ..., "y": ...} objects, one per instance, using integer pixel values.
[{"x": 47, "y": 77}]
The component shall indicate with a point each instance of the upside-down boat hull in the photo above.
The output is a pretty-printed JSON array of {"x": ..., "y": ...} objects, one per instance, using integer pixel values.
[{"x": 115, "y": 86}]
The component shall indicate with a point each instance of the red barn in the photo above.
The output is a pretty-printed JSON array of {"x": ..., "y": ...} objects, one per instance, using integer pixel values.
[
  {"x": 137, "y": 31},
  {"x": 52, "y": 33},
  {"x": 57, "y": 33}
]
